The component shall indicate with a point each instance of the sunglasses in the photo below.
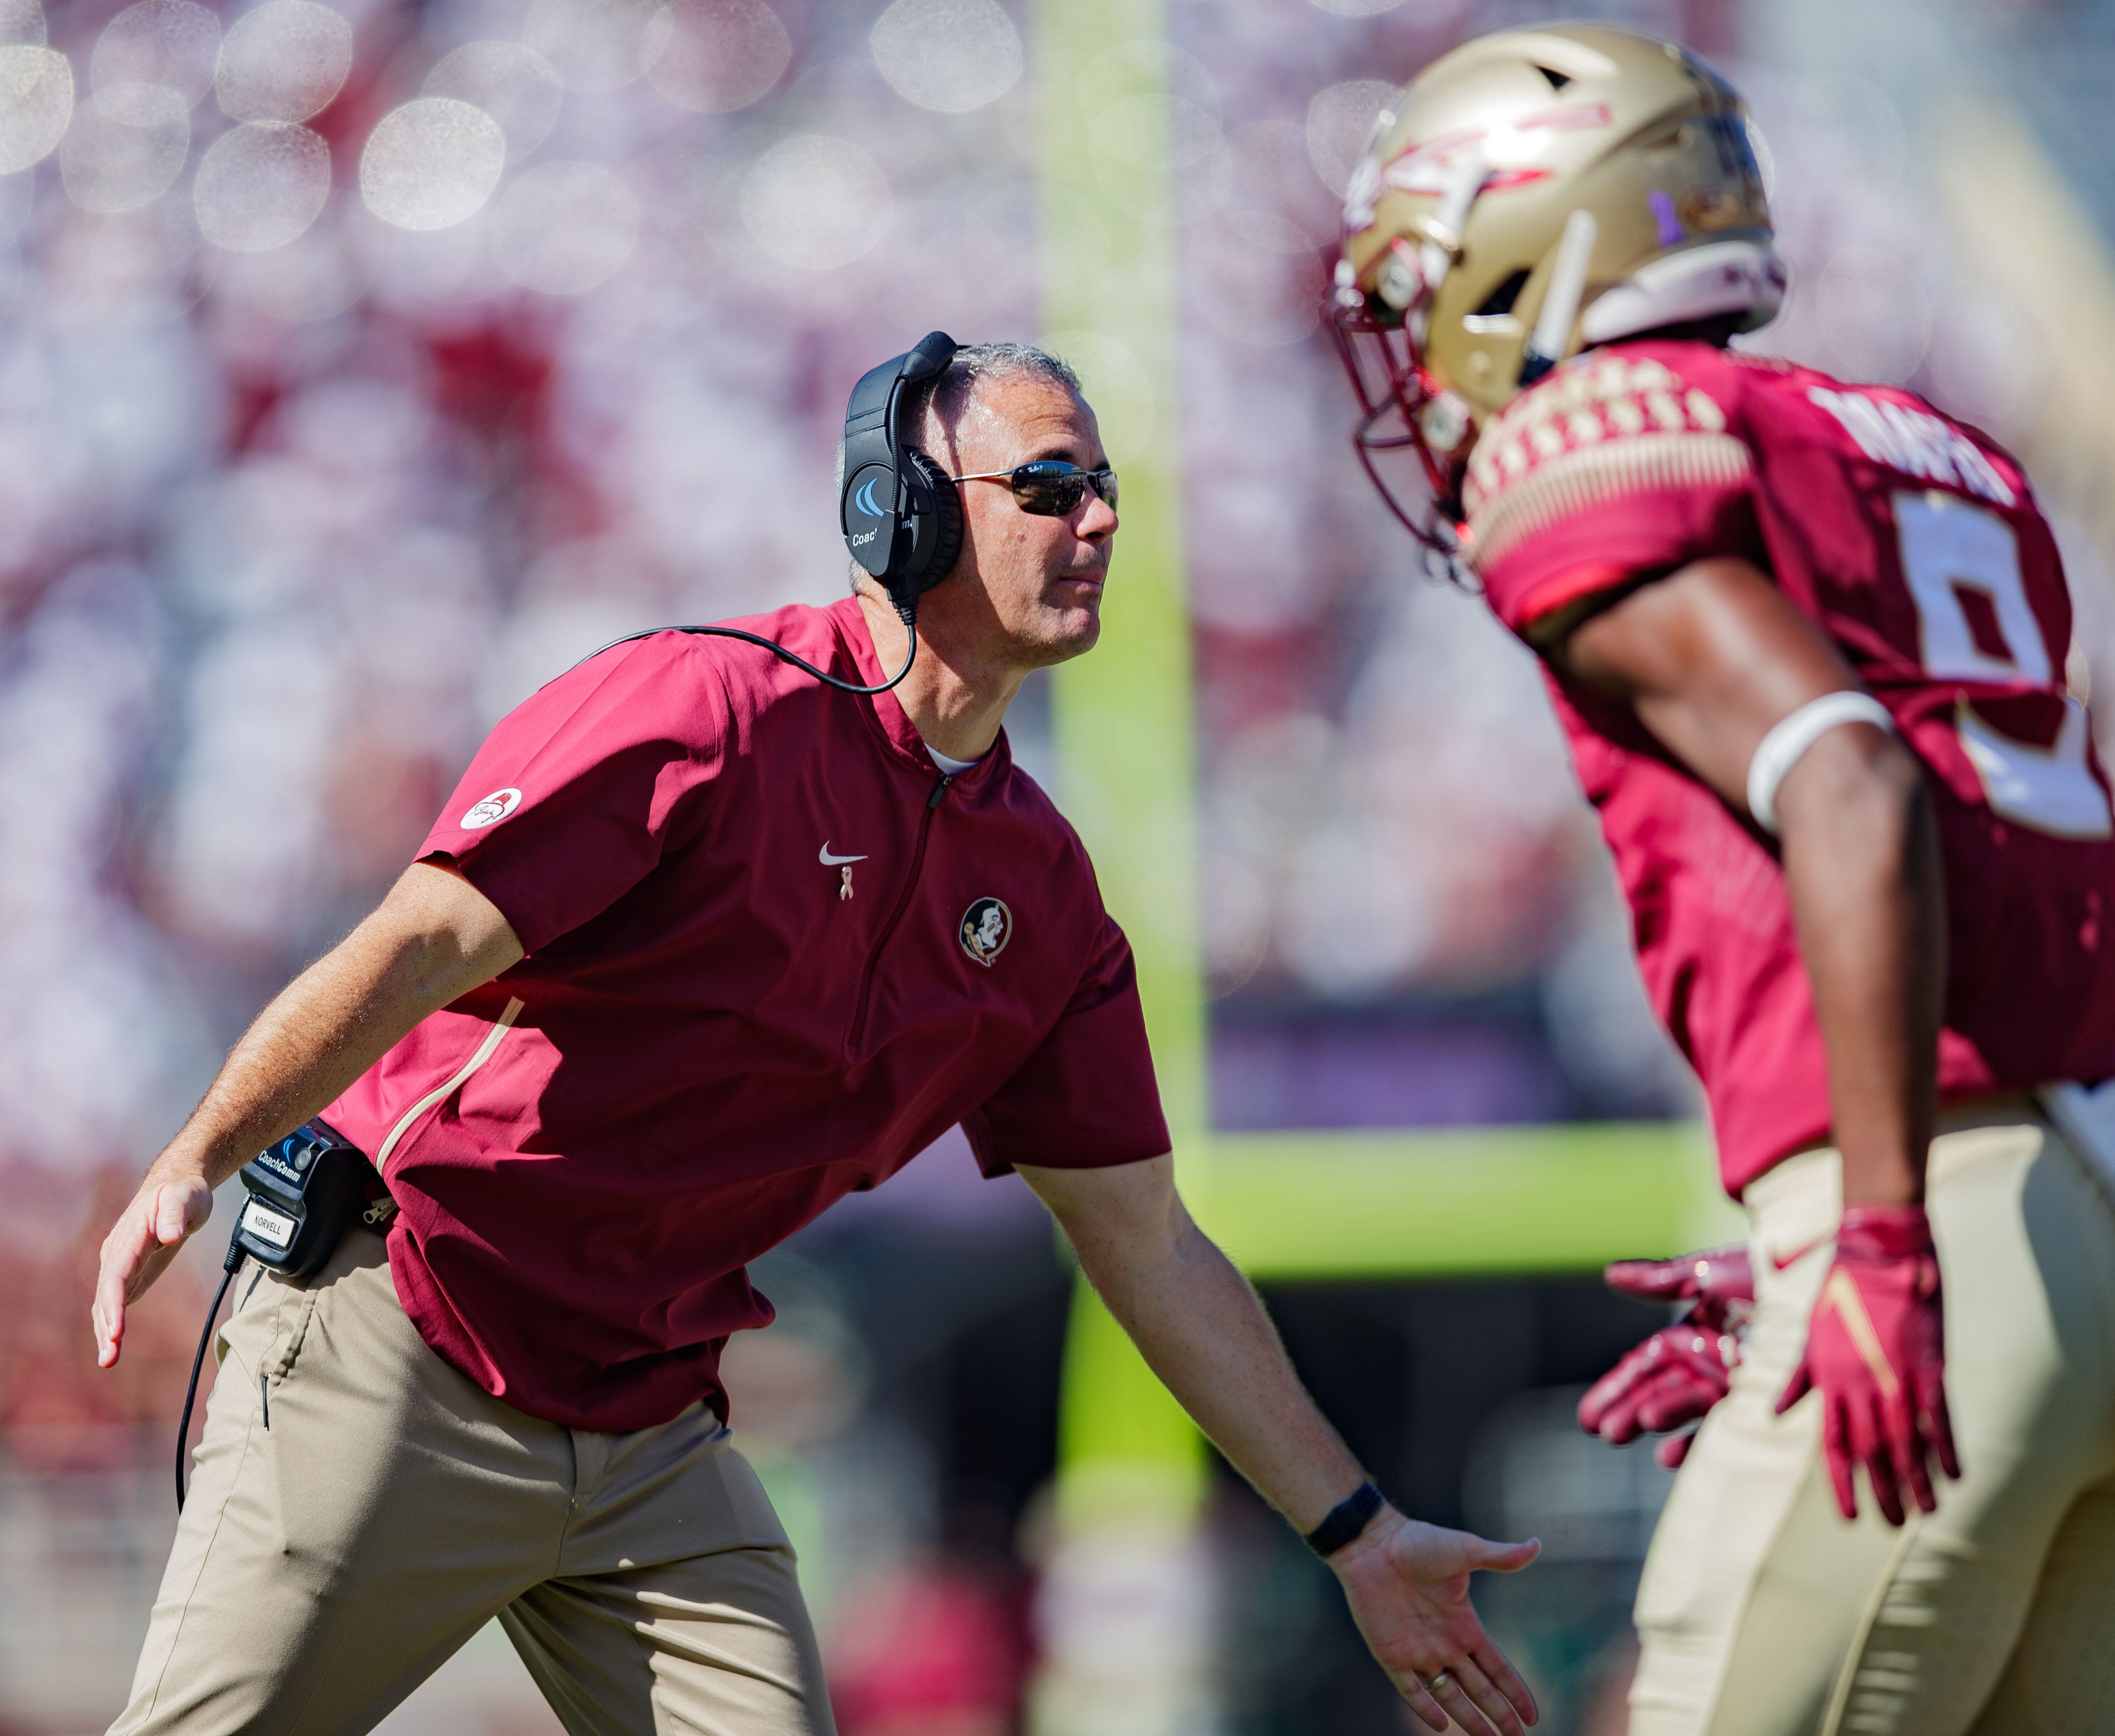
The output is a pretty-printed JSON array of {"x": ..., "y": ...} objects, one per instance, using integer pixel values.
[{"x": 1050, "y": 488}]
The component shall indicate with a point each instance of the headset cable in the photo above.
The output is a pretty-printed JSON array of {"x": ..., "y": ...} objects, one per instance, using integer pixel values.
[{"x": 229, "y": 1265}]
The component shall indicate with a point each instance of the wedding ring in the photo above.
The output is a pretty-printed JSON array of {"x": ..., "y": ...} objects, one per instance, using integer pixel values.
[{"x": 1433, "y": 1684}]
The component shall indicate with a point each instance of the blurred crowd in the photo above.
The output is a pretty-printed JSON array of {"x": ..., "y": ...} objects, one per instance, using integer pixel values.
[{"x": 364, "y": 364}]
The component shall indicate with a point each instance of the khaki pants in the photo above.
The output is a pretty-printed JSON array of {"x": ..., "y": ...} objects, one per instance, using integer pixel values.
[
  {"x": 1762, "y": 1613},
  {"x": 359, "y": 1509}
]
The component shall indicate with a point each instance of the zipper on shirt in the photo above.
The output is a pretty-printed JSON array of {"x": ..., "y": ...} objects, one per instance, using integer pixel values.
[
  {"x": 483, "y": 1053},
  {"x": 858, "y": 1031}
]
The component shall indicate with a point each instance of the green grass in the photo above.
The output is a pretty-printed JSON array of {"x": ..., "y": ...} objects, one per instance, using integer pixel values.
[{"x": 1460, "y": 1203}]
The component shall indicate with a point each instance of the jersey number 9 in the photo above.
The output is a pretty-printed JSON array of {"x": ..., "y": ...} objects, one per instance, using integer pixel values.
[{"x": 1962, "y": 562}]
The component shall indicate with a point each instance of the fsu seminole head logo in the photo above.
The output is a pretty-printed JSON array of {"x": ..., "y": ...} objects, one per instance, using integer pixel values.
[{"x": 986, "y": 926}]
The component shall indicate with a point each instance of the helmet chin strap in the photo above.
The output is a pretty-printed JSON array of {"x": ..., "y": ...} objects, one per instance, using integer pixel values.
[{"x": 1560, "y": 303}]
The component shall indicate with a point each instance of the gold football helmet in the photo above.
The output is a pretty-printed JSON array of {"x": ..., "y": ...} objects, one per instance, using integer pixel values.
[{"x": 1533, "y": 193}]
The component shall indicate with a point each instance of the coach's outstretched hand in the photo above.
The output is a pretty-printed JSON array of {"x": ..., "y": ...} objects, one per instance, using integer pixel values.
[
  {"x": 1408, "y": 1587},
  {"x": 1876, "y": 1353},
  {"x": 168, "y": 1208}
]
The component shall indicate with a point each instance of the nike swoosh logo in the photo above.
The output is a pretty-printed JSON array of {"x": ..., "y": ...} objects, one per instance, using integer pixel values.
[
  {"x": 1842, "y": 1295},
  {"x": 829, "y": 861}
]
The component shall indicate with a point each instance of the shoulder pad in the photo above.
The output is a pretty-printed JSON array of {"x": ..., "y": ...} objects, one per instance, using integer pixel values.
[{"x": 1609, "y": 426}]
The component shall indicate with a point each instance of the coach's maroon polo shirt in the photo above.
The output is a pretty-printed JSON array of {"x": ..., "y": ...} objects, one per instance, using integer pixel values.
[{"x": 772, "y": 954}]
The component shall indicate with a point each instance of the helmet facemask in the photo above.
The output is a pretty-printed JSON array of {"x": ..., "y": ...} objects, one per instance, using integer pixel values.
[{"x": 1413, "y": 435}]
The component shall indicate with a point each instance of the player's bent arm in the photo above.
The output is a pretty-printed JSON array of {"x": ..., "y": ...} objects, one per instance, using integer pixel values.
[
  {"x": 1712, "y": 657},
  {"x": 434, "y": 938},
  {"x": 1203, "y": 1331}
]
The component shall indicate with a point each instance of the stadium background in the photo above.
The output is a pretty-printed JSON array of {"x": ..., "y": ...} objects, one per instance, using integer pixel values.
[{"x": 360, "y": 368}]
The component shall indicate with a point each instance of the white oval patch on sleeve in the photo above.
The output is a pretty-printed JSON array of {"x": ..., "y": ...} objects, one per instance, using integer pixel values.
[{"x": 493, "y": 809}]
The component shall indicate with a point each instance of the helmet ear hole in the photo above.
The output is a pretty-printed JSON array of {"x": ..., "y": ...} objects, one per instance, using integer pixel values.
[
  {"x": 936, "y": 521},
  {"x": 1501, "y": 299}
]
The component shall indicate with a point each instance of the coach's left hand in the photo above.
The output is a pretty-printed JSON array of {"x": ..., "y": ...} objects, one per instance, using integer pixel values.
[
  {"x": 1876, "y": 1352},
  {"x": 1203, "y": 1331},
  {"x": 1408, "y": 1587}
]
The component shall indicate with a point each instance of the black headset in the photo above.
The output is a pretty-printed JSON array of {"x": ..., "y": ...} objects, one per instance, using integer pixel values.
[
  {"x": 901, "y": 517},
  {"x": 897, "y": 508}
]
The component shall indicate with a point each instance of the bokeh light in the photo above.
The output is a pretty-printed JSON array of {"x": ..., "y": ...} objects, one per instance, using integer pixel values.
[
  {"x": 284, "y": 62},
  {"x": 713, "y": 57},
  {"x": 126, "y": 146},
  {"x": 1340, "y": 124},
  {"x": 815, "y": 201},
  {"x": 595, "y": 45},
  {"x": 431, "y": 164},
  {"x": 36, "y": 102},
  {"x": 513, "y": 84},
  {"x": 948, "y": 55},
  {"x": 172, "y": 43},
  {"x": 22, "y": 21},
  {"x": 261, "y": 184}
]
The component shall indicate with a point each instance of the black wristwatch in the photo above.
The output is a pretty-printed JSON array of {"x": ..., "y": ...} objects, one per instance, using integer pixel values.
[{"x": 1346, "y": 1519}]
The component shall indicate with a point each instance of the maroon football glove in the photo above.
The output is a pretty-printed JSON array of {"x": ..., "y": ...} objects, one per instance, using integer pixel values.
[
  {"x": 1672, "y": 1379},
  {"x": 1876, "y": 1352}
]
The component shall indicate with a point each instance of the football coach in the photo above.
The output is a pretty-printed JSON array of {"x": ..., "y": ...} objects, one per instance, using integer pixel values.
[{"x": 701, "y": 944}]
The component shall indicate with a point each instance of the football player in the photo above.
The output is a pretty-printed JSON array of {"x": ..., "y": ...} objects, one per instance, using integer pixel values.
[{"x": 1807, "y": 640}]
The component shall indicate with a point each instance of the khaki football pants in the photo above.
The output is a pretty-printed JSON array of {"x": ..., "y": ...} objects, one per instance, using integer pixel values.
[
  {"x": 359, "y": 1509},
  {"x": 1764, "y": 1613}
]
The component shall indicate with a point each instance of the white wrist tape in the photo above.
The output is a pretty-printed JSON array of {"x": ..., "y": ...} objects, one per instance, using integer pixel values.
[{"x": 1791, "y": 736}]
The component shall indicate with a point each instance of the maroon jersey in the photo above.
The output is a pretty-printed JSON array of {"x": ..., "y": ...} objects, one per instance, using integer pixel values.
[{"x": 1914, "y": 543}]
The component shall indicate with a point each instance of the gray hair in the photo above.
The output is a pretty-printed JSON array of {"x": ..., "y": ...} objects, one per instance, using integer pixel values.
[{"x": 950, "y": 390}]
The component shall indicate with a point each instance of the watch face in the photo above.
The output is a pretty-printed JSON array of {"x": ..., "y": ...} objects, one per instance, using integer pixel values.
[{"x": 869, "y": 516}]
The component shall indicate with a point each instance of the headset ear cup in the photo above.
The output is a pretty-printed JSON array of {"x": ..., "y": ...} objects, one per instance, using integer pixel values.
[{"x": 946, "y": 508}]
